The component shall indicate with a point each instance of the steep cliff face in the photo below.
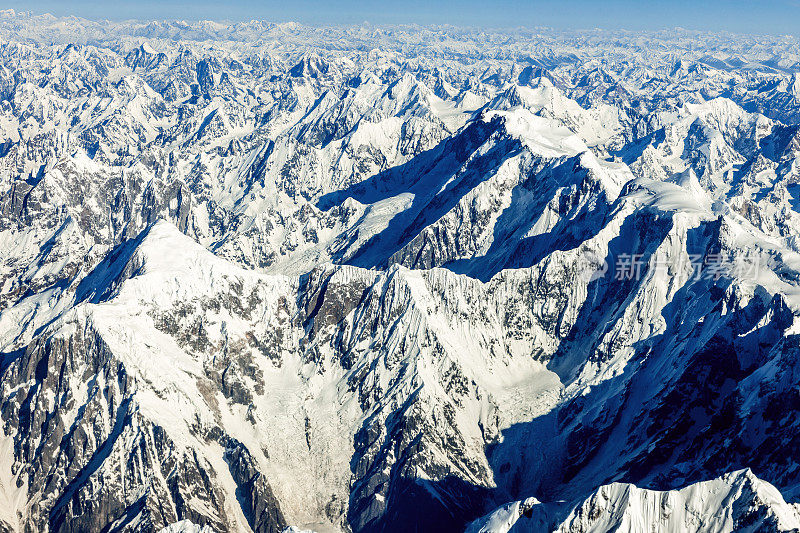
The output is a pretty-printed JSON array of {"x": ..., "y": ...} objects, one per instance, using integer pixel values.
[{"x": 295, "y": 284}]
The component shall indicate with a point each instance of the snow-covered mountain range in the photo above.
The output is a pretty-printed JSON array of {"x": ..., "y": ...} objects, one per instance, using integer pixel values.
[{"x": 266, "y": 277}]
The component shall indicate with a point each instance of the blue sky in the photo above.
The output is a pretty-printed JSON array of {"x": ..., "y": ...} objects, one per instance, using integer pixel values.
[{"x": 749, "y": 16}]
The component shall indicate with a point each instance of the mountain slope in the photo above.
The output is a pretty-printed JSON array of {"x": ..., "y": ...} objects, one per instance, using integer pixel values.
[
  {"x": 738, "y": 501},
  {"x": 258, "y": 276}
]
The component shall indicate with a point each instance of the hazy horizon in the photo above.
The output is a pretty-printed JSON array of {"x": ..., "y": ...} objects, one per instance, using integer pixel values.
[{"x": 742, "y": 16}]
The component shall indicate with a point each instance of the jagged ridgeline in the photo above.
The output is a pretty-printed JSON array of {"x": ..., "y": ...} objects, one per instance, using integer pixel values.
[{"x": 267, "y": 277}]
